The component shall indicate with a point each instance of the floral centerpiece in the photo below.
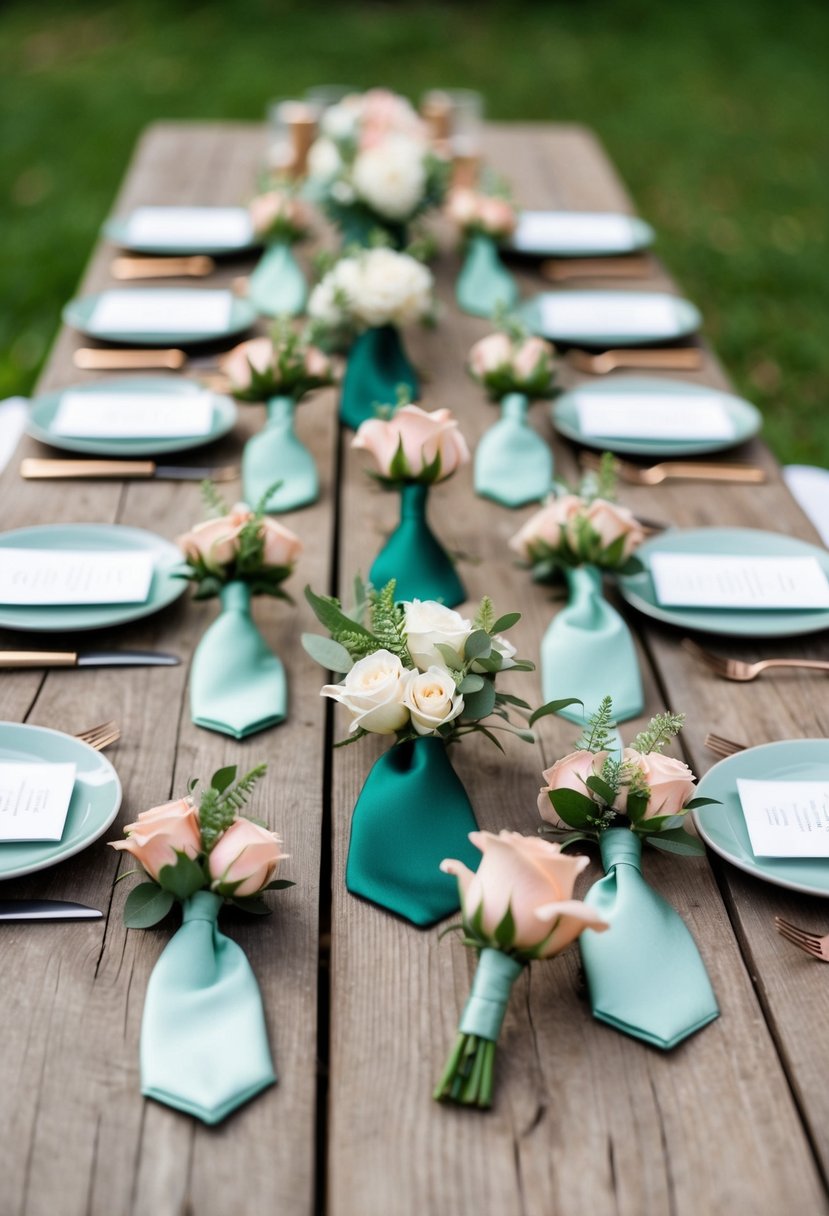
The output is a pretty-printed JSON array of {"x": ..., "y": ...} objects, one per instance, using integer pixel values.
[
  {"x": 277, "y": 285},
  {"x": 486, "y": 222}
]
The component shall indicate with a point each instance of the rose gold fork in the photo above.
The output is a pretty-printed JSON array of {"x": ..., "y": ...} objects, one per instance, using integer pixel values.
[
  {"x": 811, "y": 943},
  {"x": 679, "y": 359},
  {"x": 738, "y": 669},
  {"x": 100, "y": 736},
  {"x": 559, "y": 271},
  {"x": 680, "y": 470},
  {"x": 723, "y": 747}
]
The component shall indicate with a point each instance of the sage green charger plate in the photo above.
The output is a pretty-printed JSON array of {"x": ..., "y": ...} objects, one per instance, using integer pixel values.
[
  {"x": 93, "y": 806},
  {"x": 739, "y": 622},
  {"x": 45, "y": 407},
  {"x": 78, "y": 313},
  {"x": 116, "y": 230},
  {"x": 569, "y": 235},
  {"x": 724, "y": 828},
  {"x": 745, "y": 418},
  {"x": 58, "y": 618},
  {"x": 620, "y": 327}
]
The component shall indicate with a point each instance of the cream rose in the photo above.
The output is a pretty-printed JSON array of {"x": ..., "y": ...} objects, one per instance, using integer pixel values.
[
  {"x": 377, "y": 287},
  {"x": 671, "y": 782},
  {"x": 258, "y": 354},
  {"x": 424, "y": 436},
  {"x": 390, "y": 176},
  {"x": 490, "y": 354},
  {"x": 324, "y": 160},
  {"x": 569, "y": 773},
  {"x": 282, "y": 546},
  {"x": 215, "y": 540},
  {"x": 244, "y": 859},
  {"x": 548, "y": 526},
  {"x": 372, "y": 692},
  {"x": 428, "y": 624},
  {"x": 431, "y": 699},
  {"x": 610, "y": 521},
  {"x": 160, "y": 834},
  {"x": 496, "y": 216}
]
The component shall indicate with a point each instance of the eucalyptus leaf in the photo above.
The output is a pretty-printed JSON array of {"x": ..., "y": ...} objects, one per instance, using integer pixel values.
[
  {"x": 471, "y": 683},
  {"x": 553, "y": 707},
  {"x": 450, "y": 657},
  {"x": 506, "y": 622},
  {"x": 479, "y": 704},
  {"x": 146, "y": 905},
  {"x": 478, "y": 645},
  {"x": 329, "y": 654},
  {"x": 678, "y": 841},
  {"x": 182, "y": 879}
]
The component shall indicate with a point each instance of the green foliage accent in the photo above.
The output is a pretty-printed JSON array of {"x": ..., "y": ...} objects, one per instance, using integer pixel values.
[
  {"x": 552, "y": 707},
  {"x": 387, "y": 622},
  {"x": 223, "y": 778},
  {"x": 146, "y": 905},
  {"x": 253, "y": 904},
  {"x": 479, "y": 704},
  {"x": 597, "y": 735},
  {"x": 213, "y": 501},
  {"x": 505, "y": 930},
  {"x": 485, "y": 616},
  {"x": 219, "y": 807},
  {"x": 505, "y": 622},
  {"x": 661, "y": 729},
  {"x": 676, "y": 841},
  {"x": 328, "y": 653},
  {"x": 184, "y": 878},
  {"x": 478, "y": 645},
  {"x": 575, "y": 809}
]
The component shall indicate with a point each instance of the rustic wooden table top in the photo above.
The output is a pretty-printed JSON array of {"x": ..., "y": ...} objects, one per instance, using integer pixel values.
[{"x": 361, "y": 1007}]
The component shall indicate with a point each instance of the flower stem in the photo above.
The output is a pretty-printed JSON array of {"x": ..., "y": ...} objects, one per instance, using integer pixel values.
[{"x": 468, "y": 1077}]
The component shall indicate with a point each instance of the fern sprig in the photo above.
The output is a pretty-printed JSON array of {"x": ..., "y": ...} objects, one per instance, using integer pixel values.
[
  {"x": 659, "y": 731},
  {"x": 597, "y": 736}
]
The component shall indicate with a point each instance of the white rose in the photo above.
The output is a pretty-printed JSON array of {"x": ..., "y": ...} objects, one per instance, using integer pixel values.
[
  {"x": 428, "y": 623},
  {"x": 391, "y": 177},
  {"x": 373, "y": 693},
  {"x": 432, "y": 699},
  {"x": 394, "y": 288},
  {"x": 340, "y": 121},
  {"x": 324, "y": 160},
  {"x": 343, "y": 192},
  {"x": 322, "y": 305}
]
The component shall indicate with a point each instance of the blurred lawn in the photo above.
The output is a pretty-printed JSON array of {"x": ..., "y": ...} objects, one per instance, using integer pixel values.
[{"x": 715, "y": 113}]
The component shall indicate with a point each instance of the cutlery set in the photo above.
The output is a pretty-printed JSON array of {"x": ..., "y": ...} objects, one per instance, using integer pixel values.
[{"x": 33, "y": 469}]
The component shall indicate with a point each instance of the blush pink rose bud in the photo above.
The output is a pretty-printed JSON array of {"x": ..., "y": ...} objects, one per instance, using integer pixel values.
[
  {"x": 236, "y": 364},
  {"x": 490, "y": 355},
  {"x": 423, "y": 435},
  {"x": 496, "y": 216},
  {"x": 610, "y": 521},
  {"x": 671, "y": 782},
  {"x": 547, "y": 526},
  {"x": 568, "y": 773},
  {"x": 215, "y": 539},
  {"x": 160, "y": 834},
  {"x": 317, "y": 363},
  {"x": 462, "y": 207},
  {"x": 282, "y": 546},
  {"x": 530, "y": 357},
  {"x": 247, "y": 855},
  {"x": 266, "y": 210}
]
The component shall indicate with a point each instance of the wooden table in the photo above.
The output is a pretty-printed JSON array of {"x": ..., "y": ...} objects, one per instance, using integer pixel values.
[{"x": 361, "y": 1007}]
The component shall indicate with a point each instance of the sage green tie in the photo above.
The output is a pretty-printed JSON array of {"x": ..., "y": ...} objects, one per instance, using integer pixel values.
[
  {"x": 276, "y": 455},
  {"x": 484, "y": 284},
  {"x": 513, "y": 465},
  {"x": 277, "y": 287},
  {"x": 645, "y": 974},
  {"x": 377, "y": 367},
  {"x": 204, "y": 1043},
  {"x": 589, "y": 648},
  {"x": 237, "y": 685},
  {"x": 412, "y": 813},
  {"x": 415, "y": 558}
]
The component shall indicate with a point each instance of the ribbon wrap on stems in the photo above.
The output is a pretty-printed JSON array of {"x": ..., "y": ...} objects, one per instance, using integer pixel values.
[
  {"x": 486, "y": 1006},
  {"x": 204, "y": 1043},
  {"x": 513, "y": 464},
  {"x": 415, "y": 558},
  {"x": 376, "y": 368},
  {"x": 645, "y": 975},
  {"x": 237, "y": 685},
  {"x": 484, "y": 284},
  {"x": 588, "y": 646},
  {"x": 275, "y": 454},
  {"x": 277, "y": 286}
]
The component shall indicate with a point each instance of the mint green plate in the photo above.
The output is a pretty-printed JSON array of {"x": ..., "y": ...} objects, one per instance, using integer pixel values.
[
  {"x": 740, "y": 622},
  {"x": 724, "y": 828},
  {"x": 116, "y": 230},
  {"x": 621, "y": 327},
  {"x": 44, "y": 408},
  {"x": 78, "y": 313},
  {"x": 93, "y": 807},
  {"x": 745, "y": 418},
  {"x": 633, "y": 234},
  {"x": 100, "y": 538}
]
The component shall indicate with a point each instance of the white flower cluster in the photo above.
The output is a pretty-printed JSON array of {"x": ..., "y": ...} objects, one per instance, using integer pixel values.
[{"x": 376, "y": 287}]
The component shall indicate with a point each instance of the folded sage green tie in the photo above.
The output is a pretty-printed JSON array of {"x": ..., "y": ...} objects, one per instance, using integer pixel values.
[
  {"x": 412, "y": 813},
  {"x": 513, "y": 465},
  {"x": 645, "y": 974},
  {"x": 415, "y": 558},
  {"x": 276, "y": 455},
  {"x": 204, "y": 1043},
  {"x": 588, "y": 649},
  {"x": 377, "y": 367},
  {"x": 276, "y": 287},
  {"x": 237, "y": 685},
  {"x": 484, "y": 284}
]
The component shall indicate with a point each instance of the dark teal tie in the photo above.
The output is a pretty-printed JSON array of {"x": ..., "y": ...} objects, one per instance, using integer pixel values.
[
  {"x": 274, "y": 455},
  {"x": 377, "y": 368},
  {"x": 513, "y": 465},
  {"x": 484, "y": 284},
  {"x": 277, "y": 287},
  {"x": 415, "y": 558}
]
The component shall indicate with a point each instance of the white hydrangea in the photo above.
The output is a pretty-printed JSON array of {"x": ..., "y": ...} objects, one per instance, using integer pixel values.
[
  {"x": 324, "y": 160},
  {"x": 390, "y": 177},
  {"x": 379, "y": 287}
]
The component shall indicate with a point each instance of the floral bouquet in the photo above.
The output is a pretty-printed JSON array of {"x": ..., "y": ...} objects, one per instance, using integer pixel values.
[
  {"x": 373, "y": 167},
  {"x": 427, "y": 676},
  {"x": 372, "y": 294},
  {"x": 583, "y": 534},
  {"x": 513, "y": 465},
  {"x": 486, "y": 221},
  {"x": 280, "y": 371},
  {"x": 517, "y": 907},
  {"x": 204, "y": 1043},
  {"x": 413, "y": 449},
  {"x": 237, "y": 685},
  {"x": 277, "y": 285}
]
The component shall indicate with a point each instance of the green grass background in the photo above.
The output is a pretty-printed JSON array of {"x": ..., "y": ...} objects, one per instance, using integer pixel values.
[{"x": 715, "y": 112}]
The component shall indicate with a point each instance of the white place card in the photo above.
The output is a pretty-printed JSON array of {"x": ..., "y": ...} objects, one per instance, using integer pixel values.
[
  {"x": 34, "y": 800},
  {"x": 30, "y": 577},
  {"x": 786, "y": 818},
  {"x": 148, "y": 311},
  {"x": 630, "y": 314},
  {"x": 653, "y": 416},
  {"x": 571, "y": 232},
  {"x": 133, "y": 415},
  {"x": 190, "y": 227},
  {"x": 704, "y": 580}
]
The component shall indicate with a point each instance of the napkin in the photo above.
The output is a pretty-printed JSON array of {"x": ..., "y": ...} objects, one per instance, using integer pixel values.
[
  {"x": 484, "y": 284},
  {"x": 513, "y": 465},
  {"x": 277, "y": 286},
  {"x": 276, "y": 454}
]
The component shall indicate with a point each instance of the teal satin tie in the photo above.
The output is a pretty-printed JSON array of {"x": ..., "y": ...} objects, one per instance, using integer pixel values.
[
  {"x": 237, "y": 685},
  {"x": 588, "y": 649},
  {"x": 412, "y": 813},
  {"x": 204, "y": 1043},
  {"x": 377, "y": 367},
  {"x": 645, "y": 975},
  {"x": 276, "y": 455},
  {"x": 415, "y": 557},
  {"x": 513, "y": 465},
  {"x": 277, "y": 287},
  {"x": 484, "y": 284}
]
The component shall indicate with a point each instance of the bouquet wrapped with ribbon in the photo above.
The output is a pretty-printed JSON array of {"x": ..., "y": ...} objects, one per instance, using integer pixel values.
[
  {"x": 646, "y": 976},
  {"x": 517, "y": 907},
  {"x": 280, "y": 370},
  {"x": 484, "y": 287},
  {"x": 583, "y": 534},
  {"x": 204, "y": 1043},
  {"x": 370, "y": 295},
  {"x": 513, "y": 464},
  {"x": 413, "y": 450},
  {"x": 237, "y": 684},
  {"x": 277, "y": 286},
  {"x": 426, "y": 677}
]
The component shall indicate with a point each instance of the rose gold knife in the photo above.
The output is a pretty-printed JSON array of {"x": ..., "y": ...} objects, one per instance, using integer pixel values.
[{"x": 34, "y": 469}]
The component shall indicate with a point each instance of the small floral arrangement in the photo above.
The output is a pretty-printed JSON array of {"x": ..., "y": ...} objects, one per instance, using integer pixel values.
[
  {"x": 474, "y": 212},
  {"x": 518, "y": 906},
  {"x": 593, "y": 789},
  {"x": 201, "y": 842},
  {"x": 372, "y": 288},
  {"x": 278, "y": 215},
  {"x": 513, "y": 363},
  {"x": 238, "y": 545},
  {"x": 413, "y": 446},
  {"x": 286, "y": 364}
]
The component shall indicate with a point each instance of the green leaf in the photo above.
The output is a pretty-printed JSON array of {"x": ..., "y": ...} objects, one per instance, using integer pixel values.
[
  {"x": 577, "y": 810},
  {"x": 479, "y": 704},
  {"x": 695, "y": 803},
  {"x": 279, "y": 884},
  {"x": 329, "y": 654},
  {"x": 506, "y": 622},
  {"x": 146, "y": 905},
  {"x": 492, "y": 663},
  {"x": 471, "y": 683},
  {"x": 601, "y": 788},
  {"x": 182, "y": 879},
  {"x": 254, "y": 904},
  {"x": 553, "y": 707},
  {"x": 328, "y": 612},
  {"x": 478, "y": 645},
  {"x": 223, "y": 778},
  {"x": 511, "y": 700},
  {"x": 450, "y": 657},
  {"x": 636, "y": 806},
  {"x": 677, "y": 841},
  {"x": 505, "y": 930}
]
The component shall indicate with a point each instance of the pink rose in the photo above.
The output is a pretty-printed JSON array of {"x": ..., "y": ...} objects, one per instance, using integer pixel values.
[
  {"x": 424, "y": 435},
  {"x": 236, "y": 364},
  {"x": 215, "y": 539},
  {"x": 496, "y": 216},
  {"x": 160, "y": 834},
  {"x": 317, "y": 363},
  {"x": 530, "y": 356},
  {"x": 266, "y": 210},
  {"x": 462, "y": 207},
  {"x": 282, "y": 546},
  {"x": 247, "y": 855},
  {"x": 535, "y": 880},
  {"x": 547, "y": 526},
  {"x": 671, "y": 782},
  {"x": 569, "y": 773},
  {"x": 490, "y": 354},
  {"x": 384, "y": 113},
  {"x": 610, "y": 521}
]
